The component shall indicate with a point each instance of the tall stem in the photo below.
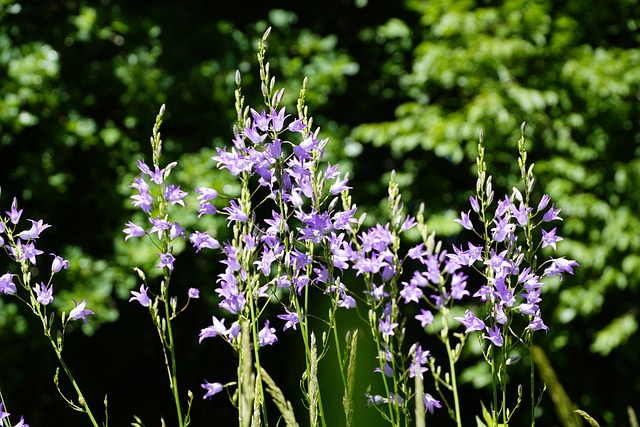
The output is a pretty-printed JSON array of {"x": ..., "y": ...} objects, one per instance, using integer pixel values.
[
  {"x": 82, "y": 400},
  {"x": 173, "y": 370},
  {"x": 452, "y": 372}
]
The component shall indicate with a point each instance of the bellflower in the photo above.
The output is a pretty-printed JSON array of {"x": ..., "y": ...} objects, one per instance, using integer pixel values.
[
  {"x": 494, "y": 336},
  {"x": 216, "y": 328},
  {"x": 537, "y": 324},
  {"x": 544, "y": 201},
  {"x": 425, "y": 317},
  {"x": 340, "y": 185},
  {"x": 521, "y": 214},
  {"x": 14, "y": 213},
  {"x": 458, "y": 285},
  {"x": 58, "y": 264},
  {"x": 235, "y": 212},
  {"x": 386, "y": 327},
  {"x": 291, "y": 318},
  {"x": 2, "y": 413},
  {"x": 37, "y": 227},
  {"x": 7, "y": 286},
  {"x": 141, "y": 296},
  {"x": 212, "y": 388},
  {"x": 464, "y": 220},
  {"x": 550, "y": 238},
  {"x": 203, "y": 240},
  {"x": 471, "y": 322},
  {"x": 166, "y": 260},
  {"x": 267, "y": 335},
  {"x": 30, "y": 252},
  {"x": 559, "y": 266},
  {"x": 193, "y": 293},
  {"x": 79, "y": 312},
  {"x": 133, "y": 230},
  {"x": 159, "y": 225},
  {"x": 430, "y": 403},
  {"x": 44, "y": 294},
  {"x": 174, "y": 194},
  {"x": 552, "y": 214}
]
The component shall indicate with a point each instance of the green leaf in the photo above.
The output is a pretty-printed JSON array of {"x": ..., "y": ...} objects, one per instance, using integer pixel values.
[{"x": 615, "y": 334}]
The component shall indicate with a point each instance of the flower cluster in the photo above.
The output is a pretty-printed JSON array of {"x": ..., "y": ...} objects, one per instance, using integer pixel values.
[
  {"x": 295, "y": 234},
  {"x": 21, "y": 248}
]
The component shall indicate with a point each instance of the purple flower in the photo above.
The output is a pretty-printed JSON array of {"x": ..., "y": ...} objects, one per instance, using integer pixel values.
[
  {"x": 216, "y": 328},
  {"x": 141, "y": 296},
  {"x": 464, "y": 220},
  {"x": 386, "y": 327},
  {"x": 502, "y": 229},
  {"x": 267, "y": 335},
  {"x": 297, "y": 125},
  {"x": 291, "y": 318},
  {"x": 29, "y": 252},
  {"x": 346, "y": 301},
  {"x": 430, "y": 403},
  {"x": 375, "y": 399},
  {"x": 212, "y": 388},
  {"x": 277, "y": 119},
  {"x": 473, "y": 200},
  {"x": 36, "y": 228},
  {"x": 14, "y": 213},
  {"x": 544, "y": 201},
  {"x": 494, "y": 336},
  {"x": 458, "y": 285},
  {"x": 166, "y": 260},
  {"x": 175, "y": 230},
  {"x": 261, "y": 120},
  {"x": 521, "y": 214},
  {"x": 44, "y": 294},
  {"x": 420, "y": 358},
  {"x": 410, "y": 293},
  {"x": 7, "y": 286},
  {"x": 79, "y": 312},
  {"x": 425, "y": 317},
  {"x": 21, "y": 423},
  {"x": 235, "y": 212},
  {"x": 144, "y": 201},
  {"x": 340, "y": 185},
  {"x": 203, "y": 240},
  {"x": 537, "y": 325},
  {"x": 159, "y": 225},
  {"x": 58, "y": 263},
  {"x": 471, "y": 322},
  {"x": 550, "y": 238},
  {"x": 174, "y": 195},
  {"x": 552, "y": 214},
  {"x": 206, "y": 194},
  {"x": 377, "y": 292},
  {"x": 559, "y": 266},
  {"x": 2, "y": 413},
  {"x": 254, "y": 136},
  {"x": 133, "y": 230},
  {"x": 194, "y": 293}
]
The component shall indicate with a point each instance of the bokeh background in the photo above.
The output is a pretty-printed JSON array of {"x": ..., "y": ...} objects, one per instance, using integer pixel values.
[{"x": 401, "y": 85}]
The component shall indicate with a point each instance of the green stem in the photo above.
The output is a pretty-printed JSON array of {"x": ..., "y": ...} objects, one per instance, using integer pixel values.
[
  {"x": 452, "y": 372},
  {"x": 533, "y": 393},
  {"x": 81, "y": 399},
  {"x": 173, "y": 370}
]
